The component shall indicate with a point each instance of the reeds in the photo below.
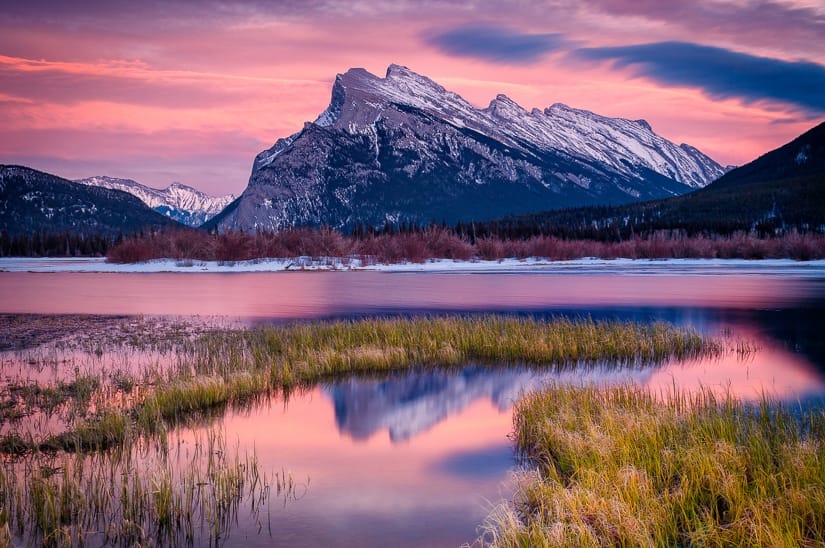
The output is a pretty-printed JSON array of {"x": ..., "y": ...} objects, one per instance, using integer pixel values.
[
  {"x": 234, "y": 365},
  {"x": 130, "y": 498},
  {"x": 93, "y": 483},
  {"x": 621, "y": 466}
]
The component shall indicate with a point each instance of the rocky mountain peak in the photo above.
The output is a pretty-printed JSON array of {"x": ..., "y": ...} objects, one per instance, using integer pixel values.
[
  {"x": 399, "y": 72},
  {"x": 555, "y": 108},
  {"x": 404, "y": 148},
  {"x": 503, "y": 106}
]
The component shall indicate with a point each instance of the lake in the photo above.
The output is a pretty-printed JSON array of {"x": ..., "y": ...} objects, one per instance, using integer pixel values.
[{"x": 418, "y": 459}]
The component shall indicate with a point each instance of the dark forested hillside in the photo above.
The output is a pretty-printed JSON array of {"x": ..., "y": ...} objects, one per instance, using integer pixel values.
[
  {"x": 781, "y": 190},
  {"x": 35, "y": 202}
]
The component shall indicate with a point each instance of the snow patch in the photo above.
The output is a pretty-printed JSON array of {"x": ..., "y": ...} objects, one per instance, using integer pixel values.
[{"x": 632, "y": 267}]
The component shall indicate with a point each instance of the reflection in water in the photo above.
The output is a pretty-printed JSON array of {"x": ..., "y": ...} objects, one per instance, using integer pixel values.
[
  {"x": 314, "y": 295},
  {"x": 408, "y": 404}
]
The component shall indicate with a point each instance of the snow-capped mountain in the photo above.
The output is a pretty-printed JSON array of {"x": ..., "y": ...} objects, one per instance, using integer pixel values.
[
  {"x": 179, "y": 202},
  {"x": 403, "y": 148}
]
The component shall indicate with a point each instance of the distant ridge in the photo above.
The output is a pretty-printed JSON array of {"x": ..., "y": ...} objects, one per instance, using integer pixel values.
[{"x": 177, "y": 201}]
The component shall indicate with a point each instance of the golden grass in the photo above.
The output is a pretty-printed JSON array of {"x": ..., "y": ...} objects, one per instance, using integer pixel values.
[
  {"x": 622, "y": 467},
  {"x": 234, "y": 366}
]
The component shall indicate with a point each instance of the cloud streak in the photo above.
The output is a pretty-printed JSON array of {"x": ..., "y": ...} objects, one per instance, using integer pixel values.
[
  {"x": 720, "y": 73},
  {"x": 495, "y": 43}
]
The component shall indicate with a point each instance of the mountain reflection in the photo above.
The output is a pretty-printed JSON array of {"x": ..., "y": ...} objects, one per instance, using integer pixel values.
[{"x": 409, "y": 404}]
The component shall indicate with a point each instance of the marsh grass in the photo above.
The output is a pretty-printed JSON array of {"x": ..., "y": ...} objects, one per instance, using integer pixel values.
[
  {"x": 39, "y": 396},
  {"x": 127, "y": 498},
  {"x": 224, "y": 368},
  {"x": 621, "y": 466},
  {"x": 306, "y": 353},
  {"x": 232, "y": 367}
]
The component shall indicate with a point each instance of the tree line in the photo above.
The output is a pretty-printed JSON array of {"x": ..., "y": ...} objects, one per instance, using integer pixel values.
[{"x": 56, "y": 244}]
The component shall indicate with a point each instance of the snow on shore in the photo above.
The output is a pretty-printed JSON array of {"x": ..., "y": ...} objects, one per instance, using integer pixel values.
[{"x": 578, "y": 266}]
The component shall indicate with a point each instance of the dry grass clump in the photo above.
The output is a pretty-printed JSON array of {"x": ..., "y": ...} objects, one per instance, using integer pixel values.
[
  {"x": 303, "y": 354},
  {"x": 622, "y": 467}
]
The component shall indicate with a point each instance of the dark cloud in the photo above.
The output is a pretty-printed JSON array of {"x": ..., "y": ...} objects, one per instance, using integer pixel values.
[
  {"x": 720, "y": 73},
  {"x": 492, "y": 43}
]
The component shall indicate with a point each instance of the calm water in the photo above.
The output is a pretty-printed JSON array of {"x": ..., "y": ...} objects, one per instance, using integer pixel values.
[{"x": 418, "y": 459}]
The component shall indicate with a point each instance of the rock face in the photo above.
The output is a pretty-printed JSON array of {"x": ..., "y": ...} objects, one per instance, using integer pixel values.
[
  {"x": 32, "y": 201},
  {"x": 402, "y": 148},
  {"x": 179, "y": 202}
]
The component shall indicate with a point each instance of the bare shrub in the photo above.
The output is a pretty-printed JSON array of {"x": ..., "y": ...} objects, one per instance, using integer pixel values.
[
  {"x": 490, "y": 249},
  {"x": 131, "y": 250},
  {"x": 442, "y": 243},
  {"x": 233, "y": 246}
]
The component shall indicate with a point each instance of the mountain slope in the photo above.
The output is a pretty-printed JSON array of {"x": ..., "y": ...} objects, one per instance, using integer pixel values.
[
  {"x": 402, "y": 148},
  {"x": 32, "y": 201},
  {"x": 801, "y": 158},
  {"x": 781, "y": 189},
  {"x": 179, "y": 202}
]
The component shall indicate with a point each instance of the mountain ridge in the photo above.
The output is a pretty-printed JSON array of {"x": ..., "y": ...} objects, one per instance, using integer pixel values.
[
  {"x": 177, "y": 201},
  {"x": 781, "y": 189}
]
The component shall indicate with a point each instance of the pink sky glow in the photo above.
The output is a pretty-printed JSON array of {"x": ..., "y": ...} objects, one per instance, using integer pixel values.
[{"x": 191, "y": 91}]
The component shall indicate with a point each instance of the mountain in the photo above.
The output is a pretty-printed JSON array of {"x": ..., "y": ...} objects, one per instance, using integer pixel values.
[
  {"x": 784, "y": 188},
  {"x": 179, "y": 202},
  {"x": 801, "y": 158},
  {"x": 32, "y": 201},
  {"x": 402, "y": 148}
]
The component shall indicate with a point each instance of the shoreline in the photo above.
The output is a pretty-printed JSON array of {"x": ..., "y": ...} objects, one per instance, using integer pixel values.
[{"x": 589, "y": 265}]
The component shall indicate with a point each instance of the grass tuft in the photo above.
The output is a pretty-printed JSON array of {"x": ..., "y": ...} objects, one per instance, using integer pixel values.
[{"x": 621, "y": 467}]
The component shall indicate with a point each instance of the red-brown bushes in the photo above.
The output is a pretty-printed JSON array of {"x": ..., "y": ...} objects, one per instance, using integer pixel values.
[
  {"x": 441, "y": 243},
  {"x": 131, "y": 250},
  {"x": 490, "y": 249}
]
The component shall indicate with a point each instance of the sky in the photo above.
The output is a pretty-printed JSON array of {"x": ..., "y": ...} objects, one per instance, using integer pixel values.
[{"x": 191, "y": 91}]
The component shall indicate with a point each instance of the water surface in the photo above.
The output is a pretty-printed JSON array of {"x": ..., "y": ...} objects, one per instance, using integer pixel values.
[{"x": 417, "y": 459}]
